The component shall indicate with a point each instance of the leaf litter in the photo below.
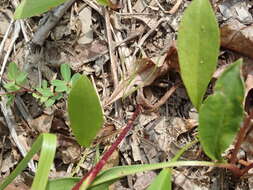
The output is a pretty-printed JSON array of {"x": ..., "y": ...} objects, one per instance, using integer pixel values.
[{"x": 144, "y": 77}]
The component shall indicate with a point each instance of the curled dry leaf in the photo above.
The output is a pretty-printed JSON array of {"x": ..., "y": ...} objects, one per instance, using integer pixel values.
[
  {"x": 146, "y": 71},
  {"x": 237, "y": 37}
]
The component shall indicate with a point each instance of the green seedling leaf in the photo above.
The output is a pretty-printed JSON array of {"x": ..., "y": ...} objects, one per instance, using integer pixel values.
[
  {"x": 21, "y": 78},
  {"x": 162, "y": 181},
  {"x": 198, "y": 48},
  {"x": 75, "y": 78},
  {"x": 221, "y": 114},
  {"x": 10, "y": 99},
  {"x": 29, "y": 8},
  {"x": 62, "y": 183},
  {"x": 110, "y": 175},
  {"x": 65, "y": 72},
  {"x": 44, "y": 84},
  {"x": 45, "y": 92},
  {"x": 11, "y": 86},
  {"x": 47, "y": 144},
  {"x": 49, "y": 102},
  {"x": 122, "y": 171},
  {"x": 58, "y": 83},
  {"x": 85, "y": 111},
  {"x": 231, "y": 83},
  {"x": 61, "y": 88},
  {"x": 13, "y": 71},
  {"x": 103, "y": 2}
]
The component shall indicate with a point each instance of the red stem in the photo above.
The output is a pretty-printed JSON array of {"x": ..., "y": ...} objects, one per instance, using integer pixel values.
[
  {"x": 241, "y": 136},
  {"x": 91, "y": 175}
]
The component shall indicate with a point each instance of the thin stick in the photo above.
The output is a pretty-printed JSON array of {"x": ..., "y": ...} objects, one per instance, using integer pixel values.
[
  {"x": 91, "y": 175},
  {"x": 14, "y": 38}
]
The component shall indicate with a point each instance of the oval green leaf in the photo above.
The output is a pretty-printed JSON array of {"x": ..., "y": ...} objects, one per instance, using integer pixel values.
[
  {"x": 65, "y": 72},
  {"x": 29, "y": 8},
  {"x": 85, "y": 111},
  {"x": 198, "y": 48},
  {"x": 221, "y": 114}
]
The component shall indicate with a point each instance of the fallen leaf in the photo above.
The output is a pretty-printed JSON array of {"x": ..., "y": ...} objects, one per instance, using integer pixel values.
[{"x": 237, "y": 37}]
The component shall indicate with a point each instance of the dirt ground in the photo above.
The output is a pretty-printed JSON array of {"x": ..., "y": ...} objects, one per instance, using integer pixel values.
[{"x": 110, "y": 46}]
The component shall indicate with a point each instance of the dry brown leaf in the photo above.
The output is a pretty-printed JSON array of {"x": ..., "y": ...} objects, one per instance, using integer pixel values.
[
  {"x": 237, "y": 37},
  {"x": 42, "y": 123},
  {"x": 147, "y": 70}
]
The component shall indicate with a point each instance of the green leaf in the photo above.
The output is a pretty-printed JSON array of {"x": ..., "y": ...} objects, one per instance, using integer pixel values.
[
  {"x": 11, "y": 87},
  {"x": 103, "y": 2},
  {"x": 198, "y": 48},
  {"x": 10, "y": 99},
  {"x": 29, "y": 8},
  {"x": 44, "y": 84},
  {"x": 231, "y": 83},
  {"x": 65, "y": 72},
  {"x": 85, "y": 111},
  {"x": 21, "y": 78},
  {"x": 13, "y": 71},
  {"x": 62, "y": 183},
  {"x": 49, "y": 102},
  {"x": 45, "y": 92},
  {"x": 58, "y": 82},
  {"x": 122, "y": 171},
  {"x": 75, "y": 78},
  {"x": 221, "y": 114},
  {"x": 47, "y": 144},
  {"x": 61, "y": 88},
  {"x": 162, "y": 181},
  {"x": 110, "y": 175}
]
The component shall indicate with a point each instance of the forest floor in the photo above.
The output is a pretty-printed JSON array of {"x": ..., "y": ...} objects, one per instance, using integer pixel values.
[{"x": 108, "y": 45}]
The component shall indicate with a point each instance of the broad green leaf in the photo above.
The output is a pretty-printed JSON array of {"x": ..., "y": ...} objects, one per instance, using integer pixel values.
[
  {"x": 103, "y": 2},
  {"x": 68, "y": 183},
  {"x": 58, "y": 82},
  {"x": 85, "y": 111},
  {"x": 221, "y": 114},
  {"x": 21, "y": 78},
  {"x": 13, "y": 71},
  {"x": 65, "y": 72},
  {"x": 47, "y": 144},
  {"x": 198, "y": 48},
  {"x": 162, "y": 181},
  {"x": 62, "y": 183},
  {"x": 75, "y": 77},
  {"x": 231, "y": 83},
  {"x": 29, "y": 8}
]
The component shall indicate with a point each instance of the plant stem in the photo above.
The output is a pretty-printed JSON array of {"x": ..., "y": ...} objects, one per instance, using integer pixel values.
[
  {"x": 91, "y": 175},
  {"x": 241, "y": 136}
]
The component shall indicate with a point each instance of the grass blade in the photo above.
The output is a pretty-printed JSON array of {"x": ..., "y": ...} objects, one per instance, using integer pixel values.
[{"x": 47, "y": 144}]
